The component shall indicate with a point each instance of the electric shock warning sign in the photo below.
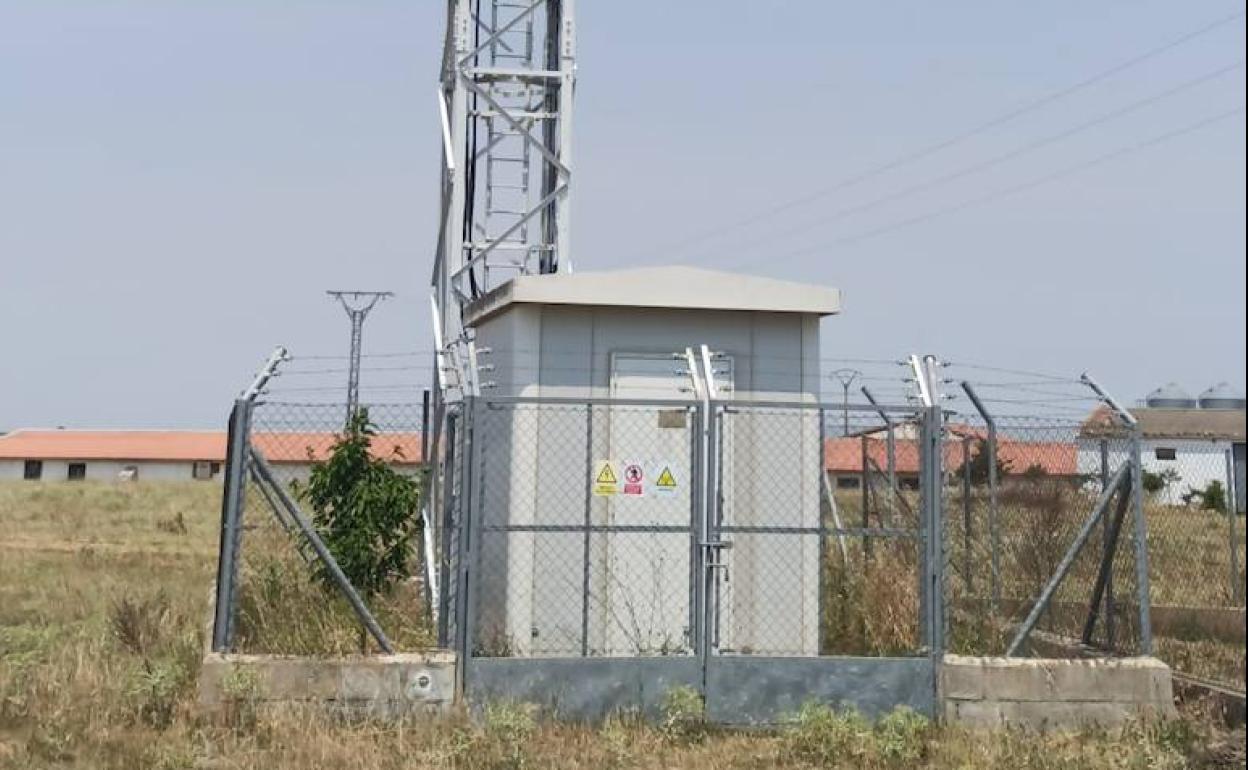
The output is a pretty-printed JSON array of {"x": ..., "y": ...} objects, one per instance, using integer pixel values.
[{"x": 606, "y": 481}]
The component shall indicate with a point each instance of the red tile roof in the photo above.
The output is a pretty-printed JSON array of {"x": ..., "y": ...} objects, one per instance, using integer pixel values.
[
  {"x": 844, "y": 455},
  {"x": 186, "y": 446},
  {"x": 166, "y": 445}
]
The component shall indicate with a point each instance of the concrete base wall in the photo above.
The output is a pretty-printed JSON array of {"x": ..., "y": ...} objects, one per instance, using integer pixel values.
[
  {"x": 382, "y": 686},
  {"x": 1053, "y": 693}
]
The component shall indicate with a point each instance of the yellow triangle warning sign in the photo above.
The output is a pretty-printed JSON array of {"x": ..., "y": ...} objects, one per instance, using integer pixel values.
[
  {"x": 606, "y": 475},
  {"x": 666, "y": 479},
  {"x": 606, "y": 482}
]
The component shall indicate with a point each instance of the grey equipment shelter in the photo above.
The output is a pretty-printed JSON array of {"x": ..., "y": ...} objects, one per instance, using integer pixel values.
[{"x": 621, "y": 336}]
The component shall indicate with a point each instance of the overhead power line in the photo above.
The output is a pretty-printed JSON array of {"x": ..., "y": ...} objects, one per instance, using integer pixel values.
[
  {"x": 320, "y": 357},
  {"x": 1005, "y": 157},
  {"x": 727, "y": 228},
  {"x": 1014, "y": 190}
]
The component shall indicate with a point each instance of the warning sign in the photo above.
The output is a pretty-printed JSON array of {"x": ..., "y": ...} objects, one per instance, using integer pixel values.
[
  {"x": 634, "y": 480},
  {"x": 606, "y": 481},
  {"x": 664, "y": 481}
]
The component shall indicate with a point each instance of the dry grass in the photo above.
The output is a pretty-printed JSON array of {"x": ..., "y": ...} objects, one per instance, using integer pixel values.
[
  {"x": 1189, "y": 566},
  {"x": 281, "y": 610},
  {"x": 100, "y": 632}
]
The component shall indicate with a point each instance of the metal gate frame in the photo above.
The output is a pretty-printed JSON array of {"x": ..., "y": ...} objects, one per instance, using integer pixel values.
[
  {"x": 737, "y": 689},
  {"x": 762, "y": 689}
]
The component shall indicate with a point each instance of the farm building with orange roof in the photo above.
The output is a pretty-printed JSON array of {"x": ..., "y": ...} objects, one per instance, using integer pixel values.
[{"x": 169, "y": 455}]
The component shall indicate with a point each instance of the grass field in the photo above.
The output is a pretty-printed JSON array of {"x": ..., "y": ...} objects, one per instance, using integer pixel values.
[{"x": 103, "y": 594}]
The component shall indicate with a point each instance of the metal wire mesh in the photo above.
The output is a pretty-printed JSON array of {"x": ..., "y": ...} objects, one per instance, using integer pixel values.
[
  {"x": 293, "y": 436},
  {"x": 279, "y": 566},
  {"x": 1009, "y": 528},
  {"x": 566, "y": 564},
  {"x": 571, "y": 564}
]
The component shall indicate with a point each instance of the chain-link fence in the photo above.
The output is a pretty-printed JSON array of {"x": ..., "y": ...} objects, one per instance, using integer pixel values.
[
  {"x": 710, "y": 531},
  {"x": 1019, "y": 490},
  {"x": 287, "y": 593},
  {"x": 1189, "y": 496},
  {"x": 1018, "y": 497},
  {"x": 871, "y": 592}
]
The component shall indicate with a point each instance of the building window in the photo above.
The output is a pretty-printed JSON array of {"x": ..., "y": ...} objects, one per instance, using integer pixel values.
[
  {"x": 848, "y": 482},
  {"x": 1165, "y": 453},
  {"x": 216, "y": 468},
  {"x": 201, "y": 470},
  {"x": 76, "y": 471},
  {"x": 33, "y": 470}
]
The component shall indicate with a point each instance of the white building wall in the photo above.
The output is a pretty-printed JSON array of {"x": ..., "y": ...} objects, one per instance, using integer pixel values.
[
  {"x": 101, "y": 470},
  {"x": 1197, "y": 462}
]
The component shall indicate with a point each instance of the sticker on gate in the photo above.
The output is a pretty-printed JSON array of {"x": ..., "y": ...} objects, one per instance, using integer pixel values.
[
  {"x": 665, "y": 484},
  {"x": 606, "y": 479},
  {"x": 634, "y": 480}
]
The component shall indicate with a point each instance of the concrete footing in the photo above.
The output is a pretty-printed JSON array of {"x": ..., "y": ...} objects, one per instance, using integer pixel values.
[
  {"x": 1044, "y": 693},
  {"x": 384, "y": 685}
]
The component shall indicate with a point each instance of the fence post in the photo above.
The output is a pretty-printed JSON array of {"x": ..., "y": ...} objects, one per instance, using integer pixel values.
[
  {"x": 994, "y": 522},
  {"x": 424, "y": 426},
  {"x": 231, "y": 525},
  {"x": 967, "y": 560},
  {"x": 1143, "y": 593},
  {"x": 1110, "y": 625},
  {"x": 449, "y": 525},
  {"x": 1232, "y": 514},
  {"x": 1141, "y": 544},
  {"x": 589, "y": 499},
  {"x": 468, "y": 546},
  {"x": 866, "y": 499},
  {"x": 1112, "y": 529},
  {"x": 823, "y": 538},
  {"x": 891, "y": 452},
  {"x": 238, "y": 440},
  {"x": 931, "y": 480},
  {"x": 934, "y": 578}
]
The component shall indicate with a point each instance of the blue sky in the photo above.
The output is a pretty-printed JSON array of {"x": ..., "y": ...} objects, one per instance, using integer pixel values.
[{"x": 180, "y": 181}]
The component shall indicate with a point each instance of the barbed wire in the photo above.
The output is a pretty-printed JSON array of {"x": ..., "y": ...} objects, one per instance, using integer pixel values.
[
  {"x": 343, "y": 357},
  {"x": 1017, "y": 372},
  {"x": 346, "y": 370}
]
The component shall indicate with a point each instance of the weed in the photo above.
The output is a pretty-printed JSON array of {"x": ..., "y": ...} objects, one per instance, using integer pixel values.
[
  {"x": 508, "y": 728},
  {"x": 821, "y": 735},
  {"x": 901, "y": 736},
  {"x": 241, "y": 687},
  {"x": 155, "y": 689},
  {"x": 139, "y": 624},
  {"x": 617, "y": 739},
  {"x": 684, "y": 715},
  {"x": 174, "y": 525},
  {"x": 52, "y": 739}
]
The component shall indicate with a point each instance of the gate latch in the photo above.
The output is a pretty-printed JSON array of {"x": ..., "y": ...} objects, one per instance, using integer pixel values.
[{"x": 713, "y": 549}]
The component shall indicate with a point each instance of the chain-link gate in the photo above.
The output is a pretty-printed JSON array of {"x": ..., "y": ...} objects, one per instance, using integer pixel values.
[{"x": 615, "y": 549}]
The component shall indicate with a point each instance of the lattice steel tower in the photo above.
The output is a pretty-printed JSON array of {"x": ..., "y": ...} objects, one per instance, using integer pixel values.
[
  {"x": 508, "y": 71},
  {"x": 358, "y": 305}
]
